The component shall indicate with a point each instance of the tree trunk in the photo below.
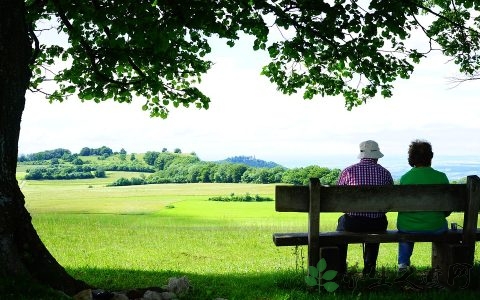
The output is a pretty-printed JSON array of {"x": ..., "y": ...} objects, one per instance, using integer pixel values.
[{"x": 22, "y": 253}]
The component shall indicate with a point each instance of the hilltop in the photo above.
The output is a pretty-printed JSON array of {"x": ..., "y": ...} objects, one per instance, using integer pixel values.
[{"x": 250, "y": 161}]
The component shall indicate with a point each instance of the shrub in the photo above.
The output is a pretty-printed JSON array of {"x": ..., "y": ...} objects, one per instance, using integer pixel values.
[
  {"x": 241, "y": 198},
  {"x": 100, "y": 173},
  {"x": 59, "y": 173},
  {"x": 125, "y": 182}
]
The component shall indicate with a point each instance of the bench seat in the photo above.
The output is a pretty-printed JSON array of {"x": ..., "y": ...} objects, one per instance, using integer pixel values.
[{"x": 345, "y": 237}]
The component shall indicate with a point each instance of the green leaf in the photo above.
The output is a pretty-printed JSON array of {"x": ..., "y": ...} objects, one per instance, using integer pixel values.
[
  {"x": 70, "y": 89},
  {"x": 87, "y": 96},
  {"x": 312, "y": 271},
  {"x": 311, "y": 281},
  {"x": 322, "y": 265},
  {"x": 329, "y": 275},
  {"x": 330, "y": 286}
]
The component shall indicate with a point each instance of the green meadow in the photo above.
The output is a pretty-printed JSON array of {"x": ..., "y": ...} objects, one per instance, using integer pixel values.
[{"x": 118, "y": 238}]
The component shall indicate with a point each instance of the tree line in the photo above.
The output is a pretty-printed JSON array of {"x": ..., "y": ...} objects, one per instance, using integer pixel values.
[
  {"x": 65, "y": 154},
  {"x": 167, "y": 167},
  {"x": 188, "y": 168}
]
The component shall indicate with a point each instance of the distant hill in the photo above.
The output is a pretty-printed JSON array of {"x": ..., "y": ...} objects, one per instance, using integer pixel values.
[{"x": 251, "y": 161}]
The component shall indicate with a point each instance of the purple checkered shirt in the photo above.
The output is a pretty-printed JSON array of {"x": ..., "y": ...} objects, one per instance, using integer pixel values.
[{"x": 366, "y": 172}]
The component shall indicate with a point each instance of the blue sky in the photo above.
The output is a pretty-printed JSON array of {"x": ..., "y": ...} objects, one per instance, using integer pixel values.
[{"x": 247, "y": 116}]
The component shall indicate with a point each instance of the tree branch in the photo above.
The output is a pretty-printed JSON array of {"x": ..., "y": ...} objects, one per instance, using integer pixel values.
[
  {"x": 88, "y": 50},
  {"x": 33, "y": 37},
  {"x": 37, "y": 90},
  {"x": 440, "y": 16},
  {"x": 455, "y": 82},
  {"x": 109, "y": 35}
]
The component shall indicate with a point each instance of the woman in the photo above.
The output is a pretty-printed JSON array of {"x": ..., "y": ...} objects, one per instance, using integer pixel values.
[{"x": 420, "y": 159}]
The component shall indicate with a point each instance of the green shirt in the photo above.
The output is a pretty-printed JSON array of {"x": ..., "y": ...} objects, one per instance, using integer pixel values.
[{"x": 422, "y": 221}]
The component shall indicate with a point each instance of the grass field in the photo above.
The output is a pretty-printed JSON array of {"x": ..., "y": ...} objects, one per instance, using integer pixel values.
[{"x": 119, "y": 238}]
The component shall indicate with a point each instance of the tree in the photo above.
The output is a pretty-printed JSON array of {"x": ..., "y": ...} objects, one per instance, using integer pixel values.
[
  {"x": 104, "y": 151},
  {"x": 150, "y": 157},
  {"x": 85, "y": 151},
  {"x": 100, "y": 173},
  {"x": 77, "y": 162},
  {"x": 331, "y": 178},
  {"x": 156, "y": 49},
  {"x": 163, "y": 160}
]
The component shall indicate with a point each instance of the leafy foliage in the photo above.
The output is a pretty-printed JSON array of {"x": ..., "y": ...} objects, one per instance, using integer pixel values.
[
  {"x": 103, "y": 151},
  {"x": 157, "y": 50},
  {"x": 46, "y": 155},
  {"x": 317, "y": 274},
  {"x": 125, "y": 181},
  {"x": 61, "y": 172},
  {"x": 150, "y": 157},
  {"x": 263, "y": 175},
  {"x": 301, "y": 176}
]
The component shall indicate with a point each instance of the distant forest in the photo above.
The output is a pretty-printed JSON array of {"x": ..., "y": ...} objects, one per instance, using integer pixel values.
[
  {"x": 251, "y": 161},
  {"x": 164, "y": 166}
]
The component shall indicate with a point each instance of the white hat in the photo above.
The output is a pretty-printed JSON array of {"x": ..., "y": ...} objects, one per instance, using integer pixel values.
[{"x": 369, "y": 149}]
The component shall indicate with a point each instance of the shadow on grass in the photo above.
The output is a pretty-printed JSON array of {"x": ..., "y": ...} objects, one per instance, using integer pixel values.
[
  {"x": 262, "y": 286},
  {"x": 387, "y": 284},
  {"x": 25, "y": 289}
]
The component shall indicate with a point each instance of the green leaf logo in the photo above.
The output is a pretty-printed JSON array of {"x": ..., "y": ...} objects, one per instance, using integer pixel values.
[{"x": 317, "y": 274}]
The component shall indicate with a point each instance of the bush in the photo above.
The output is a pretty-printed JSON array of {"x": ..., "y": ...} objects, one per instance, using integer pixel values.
[
  {"x": 100, "y": 173},
  {"x": 241, "y": 198},
  {"x": 128, "y": 167},
  {"x": 59, "y": 173},
  {"x": 125, "y": 182},
  {"x": 77, "y": 162}
]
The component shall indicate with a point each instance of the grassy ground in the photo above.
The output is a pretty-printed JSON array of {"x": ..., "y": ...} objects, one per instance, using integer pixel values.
[{"x": 119, "y": 238}]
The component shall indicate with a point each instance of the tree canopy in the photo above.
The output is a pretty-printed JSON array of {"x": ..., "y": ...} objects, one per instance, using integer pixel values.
[{"x": 157, "y": 49}]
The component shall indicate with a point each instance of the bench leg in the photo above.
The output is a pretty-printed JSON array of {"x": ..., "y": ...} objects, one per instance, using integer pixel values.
[
  {"x": 331, "y": 256},
  {"x": 452, "y": 263}
]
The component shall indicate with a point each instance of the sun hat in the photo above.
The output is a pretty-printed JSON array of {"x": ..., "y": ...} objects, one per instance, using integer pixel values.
[{"x": 369, "y": 149}]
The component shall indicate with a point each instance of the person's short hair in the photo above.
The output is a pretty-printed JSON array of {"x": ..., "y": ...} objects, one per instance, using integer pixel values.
[{"x": 420, "y": 153}]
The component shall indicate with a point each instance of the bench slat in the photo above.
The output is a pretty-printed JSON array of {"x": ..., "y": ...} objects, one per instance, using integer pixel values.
[
  {"x": 396, "y": 198},
  {"x": 343, "y": 237}
]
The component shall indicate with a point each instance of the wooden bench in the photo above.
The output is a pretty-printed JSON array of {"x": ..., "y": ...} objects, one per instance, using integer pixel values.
[{"x": 455, "y": 246}]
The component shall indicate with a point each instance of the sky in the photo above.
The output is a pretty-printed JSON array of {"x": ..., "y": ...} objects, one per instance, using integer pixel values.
[{"x": 248, "y": 116}]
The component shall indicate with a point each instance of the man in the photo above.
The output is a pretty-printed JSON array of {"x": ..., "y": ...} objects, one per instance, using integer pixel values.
[
  {"x": 365, "y": 172},
  {"x": 420, "y": 156}
]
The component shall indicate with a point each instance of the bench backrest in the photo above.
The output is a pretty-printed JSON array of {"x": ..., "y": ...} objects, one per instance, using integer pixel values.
[{"x": 442, "y": 197}]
